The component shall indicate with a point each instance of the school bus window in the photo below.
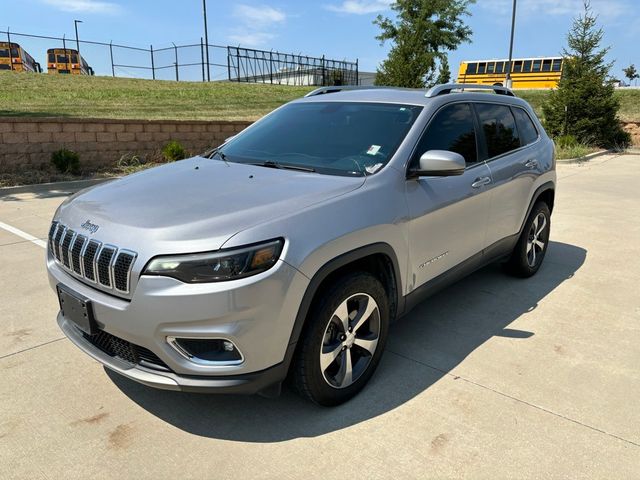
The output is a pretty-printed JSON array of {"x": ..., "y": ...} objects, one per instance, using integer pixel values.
[
  {"x": 546, "y": 66},
  {"x": 536, "y": 65},
  {"x": 499, "y": 67},
  {"x": 490, "y": 67},
  {"x": 526, "y": 67},
  {"x": 74, "y": 58},
  {"x": 52, "y": 58},
  {"x": 517, "y": 66},
  {"x": 471, "y": 68},
  {"x": 557, "y": 65},
  {"x": 62, "y": 59},
  {"x": 482, "y": 67}
]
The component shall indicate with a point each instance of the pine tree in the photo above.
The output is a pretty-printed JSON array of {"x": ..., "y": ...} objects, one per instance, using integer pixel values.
[
  {"x": 444, "y": 73},
  {"x": 422, "y": 32},
  {"x": 584, "y": 105}
]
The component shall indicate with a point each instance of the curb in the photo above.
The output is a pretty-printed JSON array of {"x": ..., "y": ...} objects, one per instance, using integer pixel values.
[
  {"x": 586, "y": 158},
  {"x": 57, "y": 186}
]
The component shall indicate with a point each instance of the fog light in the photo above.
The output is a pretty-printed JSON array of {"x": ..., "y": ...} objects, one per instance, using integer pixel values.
[{"x": 207, "y": 351}]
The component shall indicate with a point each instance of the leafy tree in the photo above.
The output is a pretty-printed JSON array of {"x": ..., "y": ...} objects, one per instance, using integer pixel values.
[
  {"x": 421, "y": 33},
  {"x": 444, "y": 73},
  {"x": 631, "y": 73},
  {"x": 584, "y": 104}
]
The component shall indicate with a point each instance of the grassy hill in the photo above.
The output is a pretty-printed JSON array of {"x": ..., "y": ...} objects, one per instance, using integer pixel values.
[{"x": 106, "y": 97}]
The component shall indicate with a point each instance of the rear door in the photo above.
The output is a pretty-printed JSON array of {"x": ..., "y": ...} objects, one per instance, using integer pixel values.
[
  {"x": 509, "y": 138},
  {"x": 448, "y": 215}
]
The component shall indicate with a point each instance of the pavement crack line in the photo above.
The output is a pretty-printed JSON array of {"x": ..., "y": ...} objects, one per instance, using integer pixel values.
[
  {"x": 506, "y": 395},
  {"x": 31, "y": 348}
]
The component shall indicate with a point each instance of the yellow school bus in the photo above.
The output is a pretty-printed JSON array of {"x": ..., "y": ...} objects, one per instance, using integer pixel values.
[
  {"x": 67, "y": 61},
  {"x": 525, "y": 72},
  {"x": 14, "y": 57}
]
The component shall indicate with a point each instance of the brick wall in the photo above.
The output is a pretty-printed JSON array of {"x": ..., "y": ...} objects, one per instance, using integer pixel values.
[{"x": 27, "y": 143}]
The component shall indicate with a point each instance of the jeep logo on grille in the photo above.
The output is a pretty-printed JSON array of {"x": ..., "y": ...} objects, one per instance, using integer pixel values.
[{"x": 92, "y": 227}]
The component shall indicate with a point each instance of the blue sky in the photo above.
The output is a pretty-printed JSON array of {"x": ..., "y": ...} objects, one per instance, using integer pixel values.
[{"x": 336, "y": 28}]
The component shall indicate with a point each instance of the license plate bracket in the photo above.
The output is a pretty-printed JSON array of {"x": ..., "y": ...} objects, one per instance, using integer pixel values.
[{"x": 77, "y": 309}]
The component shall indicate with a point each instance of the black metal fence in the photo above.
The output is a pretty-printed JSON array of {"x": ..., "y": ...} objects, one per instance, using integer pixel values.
[{"x": 194, "y": 62}]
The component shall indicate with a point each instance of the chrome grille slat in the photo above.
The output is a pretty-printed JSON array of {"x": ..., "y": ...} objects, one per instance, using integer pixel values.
[{"x": 106, "y": 266}]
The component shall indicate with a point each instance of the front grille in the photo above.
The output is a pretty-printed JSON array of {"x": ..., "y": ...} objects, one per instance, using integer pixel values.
[
  {"x": 107, "y": 266},
  {"x": 127, "y": 351}
]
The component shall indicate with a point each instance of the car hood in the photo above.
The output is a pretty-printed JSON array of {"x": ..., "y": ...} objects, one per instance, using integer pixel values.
[{"x": 195, "y": 204}]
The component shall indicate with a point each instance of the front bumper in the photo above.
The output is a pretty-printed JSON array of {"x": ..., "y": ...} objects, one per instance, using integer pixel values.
[
  {"x": 257, "y": 314},
  {"x": 248, "y": 383}
]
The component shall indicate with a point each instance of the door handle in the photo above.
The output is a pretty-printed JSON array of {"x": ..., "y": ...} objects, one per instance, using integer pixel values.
[
  {"x": 479, "y": 182},
  {"x": 531, "y": 163}
]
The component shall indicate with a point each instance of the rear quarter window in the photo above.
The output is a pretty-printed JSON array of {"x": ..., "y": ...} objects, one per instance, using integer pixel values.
[{"x": 526, "y": 128}]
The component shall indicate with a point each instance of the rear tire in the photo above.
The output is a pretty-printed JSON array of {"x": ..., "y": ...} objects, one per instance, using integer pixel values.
[
  {"x": 530, "y": 250},
  {"x": 343, "y": 340}
]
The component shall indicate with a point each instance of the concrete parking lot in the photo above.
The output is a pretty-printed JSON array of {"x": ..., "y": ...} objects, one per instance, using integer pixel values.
[{"x": 494, "y": 377}]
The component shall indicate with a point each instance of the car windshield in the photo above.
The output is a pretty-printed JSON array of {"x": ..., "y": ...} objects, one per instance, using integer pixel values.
[{"x": 335, "y": 138}]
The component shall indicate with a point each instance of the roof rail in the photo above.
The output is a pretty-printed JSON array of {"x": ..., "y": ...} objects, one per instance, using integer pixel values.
[
  {"x": 450, "y": 87},
  {"x": 338, "y": 88}
]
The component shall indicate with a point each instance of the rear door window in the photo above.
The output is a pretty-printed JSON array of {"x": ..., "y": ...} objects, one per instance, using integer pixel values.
[
  {"x": 499, "y": 128},
  {"x": 526, "y": 128},
  {"x": 451, "y": 129}
]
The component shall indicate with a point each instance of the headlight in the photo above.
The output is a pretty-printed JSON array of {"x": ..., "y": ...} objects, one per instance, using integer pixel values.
[{"x": 217, "y": 266}]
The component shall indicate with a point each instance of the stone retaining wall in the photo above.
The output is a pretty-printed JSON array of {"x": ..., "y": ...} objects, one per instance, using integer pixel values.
[{"x": 27, "y": 143}]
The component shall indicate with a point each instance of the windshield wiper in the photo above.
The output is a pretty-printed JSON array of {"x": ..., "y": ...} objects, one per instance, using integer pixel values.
[
  {"x": 284, "y": 166},
  {"x": 213, "y": 152}
]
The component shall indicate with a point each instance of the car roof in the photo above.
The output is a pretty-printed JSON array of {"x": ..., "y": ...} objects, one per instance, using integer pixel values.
[{"x": 413, "y": 96}]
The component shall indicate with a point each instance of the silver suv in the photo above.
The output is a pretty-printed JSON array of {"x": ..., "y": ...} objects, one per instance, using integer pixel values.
[{"x": 287, "y": 251}]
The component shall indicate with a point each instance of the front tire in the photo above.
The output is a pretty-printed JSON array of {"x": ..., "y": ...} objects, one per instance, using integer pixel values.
[
  {"x": 531, "y": 248},
  {"x": 343, "y": 340}
]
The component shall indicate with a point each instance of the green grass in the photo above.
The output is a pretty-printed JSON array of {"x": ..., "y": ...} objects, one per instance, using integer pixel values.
[
  {"x": 574, "y": 151},
  {"x": 122, "y": 98},
  {"x": 106, "y": 97}
]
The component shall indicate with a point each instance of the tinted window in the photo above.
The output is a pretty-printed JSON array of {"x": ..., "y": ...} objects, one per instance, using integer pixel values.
[
  {"x": 557, "y": 65},
  {"x": 499, "y": 67},
  {"x": 482, "y": 67},
  {"x": 517, "y": 66},
  {"x": 527, "y": 66},
  {"x": 526, "y": 129},
  {"x": 546, "y": 66},
  {"x": 74, "y": 58},
  {"x": 4, "y": 53},
  {"x": 499, "y": 128},
  {"x": 62, "y": 59},
  {"x": 536, "y": 65},
  {"x": 471, "y": 68},
  {"x": 451, "y": 129},
  {"x": 336, "y": 138},
  {"x": 490, "y": 67}
]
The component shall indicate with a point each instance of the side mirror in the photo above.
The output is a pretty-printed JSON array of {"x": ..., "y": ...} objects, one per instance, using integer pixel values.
[{"x": 439, "y": 163}]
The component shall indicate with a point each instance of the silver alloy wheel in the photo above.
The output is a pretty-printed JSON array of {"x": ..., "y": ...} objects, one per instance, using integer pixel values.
[
  {"x": 535, "y": 243},
  {"x": 350, "y": 340}
]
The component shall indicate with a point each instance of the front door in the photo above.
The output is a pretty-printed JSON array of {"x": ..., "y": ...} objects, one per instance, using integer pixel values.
[{"x": 448, "y": 215}]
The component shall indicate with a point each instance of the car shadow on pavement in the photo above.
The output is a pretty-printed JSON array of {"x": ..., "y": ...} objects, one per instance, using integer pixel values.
[{"x": 423, "y": 347}]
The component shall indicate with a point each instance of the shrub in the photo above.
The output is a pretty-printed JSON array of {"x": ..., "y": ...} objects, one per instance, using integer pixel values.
[
  {"x": 173, "y": 151},
  {"x": 130, "y": 160},
  {"x": 66, "y": 161}
]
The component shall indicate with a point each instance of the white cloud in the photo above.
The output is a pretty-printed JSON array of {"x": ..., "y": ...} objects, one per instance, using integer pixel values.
[
  {"x": 360, "y": 7},
  {"x": 85, "y": 6},
  {"x": 251, "y": 39},
  {"x": 607, "y": 9},
  {"x": 255, "y": 25}
]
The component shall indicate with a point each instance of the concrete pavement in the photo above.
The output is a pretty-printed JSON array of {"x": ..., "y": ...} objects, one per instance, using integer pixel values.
[{"x": 494, "y": 377}]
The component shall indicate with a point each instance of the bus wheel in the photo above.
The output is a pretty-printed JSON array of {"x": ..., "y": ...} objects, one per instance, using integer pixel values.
[{"x": 498, "y": 84}]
